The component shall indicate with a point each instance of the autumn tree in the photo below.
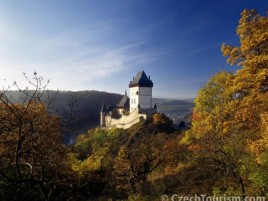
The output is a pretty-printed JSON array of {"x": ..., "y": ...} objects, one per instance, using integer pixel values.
[
  {"x": 214, "y": 139},
  {"x": 136, "y": 161},
  {"x": 229, "y": 108},
  {"x": 251, "y": 81},
  {"x": 31, "y": 149},
  {"x": 259, "y": 174},
  {"x": 250, "y": 84},
  {"x": 93, "y": 159},
  {"x": 162, "y": 123}
]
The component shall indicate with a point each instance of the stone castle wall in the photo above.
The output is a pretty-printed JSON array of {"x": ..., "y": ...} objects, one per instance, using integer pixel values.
[{"x": 126, "y": 121}]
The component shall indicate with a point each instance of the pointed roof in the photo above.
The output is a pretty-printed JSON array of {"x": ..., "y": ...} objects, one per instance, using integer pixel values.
[
  {"x": 106, "y": 108},
  {"x": 141, "y": 80},
  {"x": 124, "y": 103},
  {"x": 103, "y": 108}
]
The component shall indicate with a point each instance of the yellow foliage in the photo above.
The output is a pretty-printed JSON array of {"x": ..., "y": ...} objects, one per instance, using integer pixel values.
[
  {"x": 253, "y": 33},
  {"x": 158, "y": 118},
  {"x": 230, "y": 116}
]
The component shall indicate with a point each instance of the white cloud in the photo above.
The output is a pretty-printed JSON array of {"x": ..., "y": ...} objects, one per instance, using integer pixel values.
[{"x": 72, "y": 59}]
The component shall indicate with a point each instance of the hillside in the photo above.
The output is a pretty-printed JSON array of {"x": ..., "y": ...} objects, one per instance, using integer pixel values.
[
  {"x": 87, "y": 104},
  {"x": 86, "y": 107}
]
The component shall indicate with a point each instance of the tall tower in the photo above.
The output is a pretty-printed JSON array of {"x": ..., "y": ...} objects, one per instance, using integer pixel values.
[
  {"x": 140, "y": 92},
  {"x": 102, "y": 115}
]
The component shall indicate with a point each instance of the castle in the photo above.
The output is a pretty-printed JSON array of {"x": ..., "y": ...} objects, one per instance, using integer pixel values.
[{"x": 130, "y": 110}]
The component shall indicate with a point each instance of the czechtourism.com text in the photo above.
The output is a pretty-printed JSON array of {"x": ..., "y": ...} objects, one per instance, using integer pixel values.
[{"x": 176, "y": 197}]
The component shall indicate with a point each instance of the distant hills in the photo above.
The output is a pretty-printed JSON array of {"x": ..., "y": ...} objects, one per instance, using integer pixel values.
[
  {"x": 87, "y": 105},
  {"x": 174, "y": 108}
]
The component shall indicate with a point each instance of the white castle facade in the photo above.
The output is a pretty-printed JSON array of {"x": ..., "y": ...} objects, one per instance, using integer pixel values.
[{"x": 130, "y": 110}]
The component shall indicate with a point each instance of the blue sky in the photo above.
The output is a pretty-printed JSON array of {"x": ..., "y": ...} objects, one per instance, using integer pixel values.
[{"x": 102, "y": 44}]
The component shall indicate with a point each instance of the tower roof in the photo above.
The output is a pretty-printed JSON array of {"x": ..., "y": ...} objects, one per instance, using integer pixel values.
[
  {"x": 141, "y": 80},
  {"x": 103, "y": 108},
  {"x": 106, "y": 108},
  {"x": 124, "y": 103}
]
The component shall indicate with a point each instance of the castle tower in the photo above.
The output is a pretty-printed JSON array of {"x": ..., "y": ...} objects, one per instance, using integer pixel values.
[
  {"x": 140, "y": 92},
  {"x": 102, "y": 115}
]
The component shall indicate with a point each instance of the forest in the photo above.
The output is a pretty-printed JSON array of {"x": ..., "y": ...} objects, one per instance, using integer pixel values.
[{"x": 223, "y": 153}]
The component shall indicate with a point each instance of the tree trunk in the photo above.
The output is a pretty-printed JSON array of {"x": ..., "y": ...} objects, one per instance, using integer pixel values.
[{"x": 243, "y": 191}]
